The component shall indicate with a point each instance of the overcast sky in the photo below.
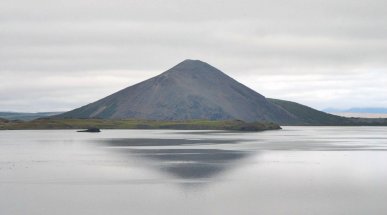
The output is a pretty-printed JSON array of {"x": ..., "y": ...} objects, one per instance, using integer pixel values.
[{"x": 58, "y": 55}]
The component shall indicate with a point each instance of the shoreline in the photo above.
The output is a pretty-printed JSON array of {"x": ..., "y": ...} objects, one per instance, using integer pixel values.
[{"x": 48, "y": 123}]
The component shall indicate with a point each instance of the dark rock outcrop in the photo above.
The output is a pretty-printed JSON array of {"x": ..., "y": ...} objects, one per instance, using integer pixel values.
[{"x": 91, "y": 130}]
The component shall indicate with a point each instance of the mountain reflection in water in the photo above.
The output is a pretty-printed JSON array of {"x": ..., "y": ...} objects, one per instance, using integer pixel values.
[{"x": 190, "y": 162}]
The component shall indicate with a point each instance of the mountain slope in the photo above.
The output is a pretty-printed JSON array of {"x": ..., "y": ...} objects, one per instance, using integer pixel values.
[
  {"x": 190, "y": 90},
  {"x": 309, "y": 116}
]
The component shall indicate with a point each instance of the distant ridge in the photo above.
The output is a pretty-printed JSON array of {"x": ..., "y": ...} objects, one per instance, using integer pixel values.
[
  {"x": 26, "y": 116},
  {"x": 357, "y": 110}
]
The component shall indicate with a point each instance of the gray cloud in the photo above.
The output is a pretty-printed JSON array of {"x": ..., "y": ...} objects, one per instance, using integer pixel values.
[{"x": 58, "y": 55}]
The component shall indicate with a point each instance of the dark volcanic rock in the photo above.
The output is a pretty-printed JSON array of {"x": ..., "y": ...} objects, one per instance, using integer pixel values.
[
  {"x": 92, "y": 130},
  {"x": 190, "y": 90}
]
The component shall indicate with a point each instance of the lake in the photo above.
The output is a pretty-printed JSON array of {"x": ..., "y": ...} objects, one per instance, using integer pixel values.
[{"x": 297, "y": 170}]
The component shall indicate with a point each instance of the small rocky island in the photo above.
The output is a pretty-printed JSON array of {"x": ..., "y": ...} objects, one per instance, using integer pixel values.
[{"x": 91, "y": 130}]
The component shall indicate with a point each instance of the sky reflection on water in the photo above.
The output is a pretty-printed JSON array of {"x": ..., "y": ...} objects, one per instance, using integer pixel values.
[{"x": 299, "y": 170}]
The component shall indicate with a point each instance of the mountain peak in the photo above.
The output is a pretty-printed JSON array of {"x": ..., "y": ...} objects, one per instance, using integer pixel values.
[
  {"x": 192, "y": 62},
  {"x": 194, "y": 67}
]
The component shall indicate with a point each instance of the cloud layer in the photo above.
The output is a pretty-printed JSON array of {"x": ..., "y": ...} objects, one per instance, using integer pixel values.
[{"x": 58, "y": 55}]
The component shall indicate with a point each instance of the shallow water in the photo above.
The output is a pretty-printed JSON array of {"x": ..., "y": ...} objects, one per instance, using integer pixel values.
[{"x": 297, "y": 170}]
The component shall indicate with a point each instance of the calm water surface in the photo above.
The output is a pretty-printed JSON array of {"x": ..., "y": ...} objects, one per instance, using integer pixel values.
[{"x": 298, "y": 170}]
